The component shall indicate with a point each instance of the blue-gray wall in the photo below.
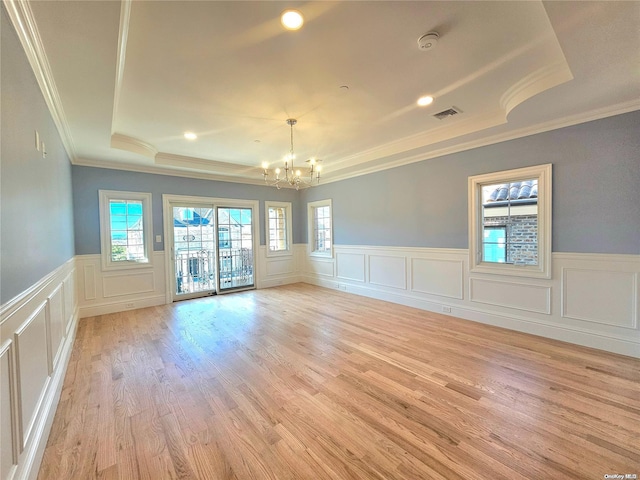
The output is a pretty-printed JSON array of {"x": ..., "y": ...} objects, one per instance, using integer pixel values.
[
  {"x": 88, "y": 180},
  {"x": 596, "y": 192},
  {"x": 36, "y": 215}
]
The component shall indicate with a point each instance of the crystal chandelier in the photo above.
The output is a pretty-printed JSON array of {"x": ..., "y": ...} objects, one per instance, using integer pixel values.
[{"x": 292, "y": 176}]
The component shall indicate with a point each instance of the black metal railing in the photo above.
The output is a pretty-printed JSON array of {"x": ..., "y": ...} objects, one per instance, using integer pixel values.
[{"x": 196, "y": 270}]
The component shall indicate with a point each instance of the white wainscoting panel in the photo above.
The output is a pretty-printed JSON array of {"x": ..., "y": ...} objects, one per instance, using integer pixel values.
[
  {"x": 280, "y": 266},
  {"x": 69, "y": 289},
  {"x": 119, "y": 290},
  {"x": 32, "y": 366},
  {"x": 56, "y": 325},
  {"x": 521, "y": 296},
  {"x": 388, "y": 271},
  {"x": 272, "y": 271},
  {"x": 8, "y": 454},
  {"x": 444, "y": 278},
  {"x": 320, "y": 266},
  {"x": 350, "y": 266},
  {"x": 89, "y": 283},
  {"x": 600, "y": 296},
  {"x": 36, "y": 345},
  {"x": 128, "y": 283}
]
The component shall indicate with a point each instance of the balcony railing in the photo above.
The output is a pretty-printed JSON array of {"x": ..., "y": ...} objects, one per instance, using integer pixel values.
[{"x": 196, "y": 270}]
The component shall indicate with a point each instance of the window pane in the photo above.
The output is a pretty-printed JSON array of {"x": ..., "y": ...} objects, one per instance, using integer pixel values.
[
  {"x": 322, "y": 229},
  {"x": 510, "y": 222},
  {"x": 127, "y": 230},
  {"x": 118, "y": 207},
  {"x": 134, "y": 208},
  {"x": 277, "y": 229}
]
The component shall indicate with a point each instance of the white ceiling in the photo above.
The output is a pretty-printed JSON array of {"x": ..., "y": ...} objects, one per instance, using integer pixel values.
[{"x": 127, "y": 79}]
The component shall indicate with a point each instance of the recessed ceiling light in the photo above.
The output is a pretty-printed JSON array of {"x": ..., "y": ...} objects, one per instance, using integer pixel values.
[
  {"x": 424, "y": 101},
  {"x": 190, "y": 135},
  {"x": 291, "y": 19}
]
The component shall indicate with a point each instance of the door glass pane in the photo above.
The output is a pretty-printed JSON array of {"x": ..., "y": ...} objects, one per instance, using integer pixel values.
[
  {"x": 194, "y": 250},
  {"x": 235, "y": 247}
]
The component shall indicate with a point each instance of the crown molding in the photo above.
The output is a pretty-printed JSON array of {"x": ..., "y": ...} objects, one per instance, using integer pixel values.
[
  {"x": 152, "y": 169},
  {"x": 24, "y": 23}
]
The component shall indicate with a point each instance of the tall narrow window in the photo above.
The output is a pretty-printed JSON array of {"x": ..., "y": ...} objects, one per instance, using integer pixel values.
[
  {"x": 278, "y": 226},
  {"x": 125, "y": 222},
  {"x": 320, "y": 228},
  {"x": 510, "y": 222}
]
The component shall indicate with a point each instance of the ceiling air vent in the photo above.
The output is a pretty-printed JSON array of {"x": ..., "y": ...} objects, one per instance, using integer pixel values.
[{"x": 450, "y": 112}]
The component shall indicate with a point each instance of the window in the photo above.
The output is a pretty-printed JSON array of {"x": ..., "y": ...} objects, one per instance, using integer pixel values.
[
  {"x": 125, "y": 227},
  {"x": 320, "y": 229},
  {"x": 278, "y": 226},
  {"x": 510, "y": 222}
]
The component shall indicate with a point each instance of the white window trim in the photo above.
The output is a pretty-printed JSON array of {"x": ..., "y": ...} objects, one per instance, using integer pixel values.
[
  {"x": 310, "y": 223},
  {"x": 287, "y": 208},
  {"x": 543, "y": 269},
  {"x": 105, "y": 197}
]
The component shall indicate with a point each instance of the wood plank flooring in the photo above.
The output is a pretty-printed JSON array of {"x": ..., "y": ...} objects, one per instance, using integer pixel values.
[{"x": 301, "y": 382}]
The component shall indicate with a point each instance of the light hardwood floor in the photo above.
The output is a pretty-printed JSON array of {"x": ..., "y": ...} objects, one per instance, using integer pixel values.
[{"x": 301, "y": 382}]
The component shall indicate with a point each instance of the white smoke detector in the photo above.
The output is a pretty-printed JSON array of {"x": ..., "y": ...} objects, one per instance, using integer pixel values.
[{"x": 428, "y": 41}]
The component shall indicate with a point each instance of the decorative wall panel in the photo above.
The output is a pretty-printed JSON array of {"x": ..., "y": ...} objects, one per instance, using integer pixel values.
[
  {"x": 56, "y": 325},
  {"x": 129, "y": 283},
  {"x": 600, "y": 296},
  {"x": 437, "y": 277},
  {"x": 32, "y": 366},
  {"x": 521, "y": 296},
  {"x": 323, "y": 267},
  {"x": 388, "y": 271},
  {"x": 89, "y": 283},
  {"x": 7, "y": 447},
  {"x": 350, "y": 266},
  {"x": 280, "y": 266}
]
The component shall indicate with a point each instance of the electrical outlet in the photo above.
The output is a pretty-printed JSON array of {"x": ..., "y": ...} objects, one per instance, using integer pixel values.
[{"x": 446, "y": 309}]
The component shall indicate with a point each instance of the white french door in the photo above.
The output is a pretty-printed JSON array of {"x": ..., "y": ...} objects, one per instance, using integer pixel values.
[
  {"x": 235, "y": 247},
  {"x": 194, "y": 251},
  {"x": 209, "y": 245}
]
